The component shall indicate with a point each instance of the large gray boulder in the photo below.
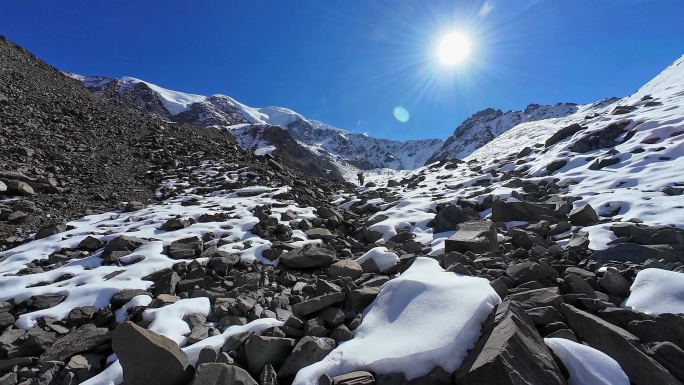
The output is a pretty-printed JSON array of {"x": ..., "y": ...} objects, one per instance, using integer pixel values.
[
  {"x": 622, "y": 346},
  {"x": 148, "y": 358},
  {"x": 475, "y": 236},
  {"x": 261, "y": 351},
  {"x": 309, "y": 256},
  {"x": 510, "y": 351},
  {"x": 186, "y": 248},
  {"x": 119, "y": 247},
  {"x": 78, "y": 341},
  {"x": 503, "y": 211},
  {"x": 583, "y": 216}
]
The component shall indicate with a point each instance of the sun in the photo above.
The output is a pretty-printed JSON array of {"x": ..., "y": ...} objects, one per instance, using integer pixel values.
[{"x": 453, "y": 48}]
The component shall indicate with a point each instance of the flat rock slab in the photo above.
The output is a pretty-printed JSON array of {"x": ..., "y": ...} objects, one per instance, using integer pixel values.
[
  {"x": 222, "y": 374},
  {"x": 475, "y": 236},
  {"x": 620, "y": 345},
  {"x": 78, "y": 341}
]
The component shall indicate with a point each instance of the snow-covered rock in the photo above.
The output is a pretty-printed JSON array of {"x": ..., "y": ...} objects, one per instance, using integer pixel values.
[
  {"x": 586, "y": 365},
  {"x": 657, "y": 291},
  {"x": 443, "y": 311}
]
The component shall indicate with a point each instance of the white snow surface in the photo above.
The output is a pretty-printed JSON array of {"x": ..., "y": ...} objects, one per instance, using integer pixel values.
[
  {"x": 424, "y": 318},
  {"x": 586, "y": 365},
  {"x": 175, "y": 102},
  {"x": 382, "y": 257},
  {"x": 657, "y": 291}
]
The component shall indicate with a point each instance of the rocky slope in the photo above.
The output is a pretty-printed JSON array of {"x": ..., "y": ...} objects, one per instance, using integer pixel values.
[{"x": 525, "y": 263}]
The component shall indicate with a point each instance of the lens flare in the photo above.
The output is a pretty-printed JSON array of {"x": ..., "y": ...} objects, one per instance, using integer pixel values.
[{"x": 401, "y": 114}]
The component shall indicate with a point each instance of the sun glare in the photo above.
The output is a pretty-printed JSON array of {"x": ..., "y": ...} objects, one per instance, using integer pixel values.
[{"x": 453, "y": 49}]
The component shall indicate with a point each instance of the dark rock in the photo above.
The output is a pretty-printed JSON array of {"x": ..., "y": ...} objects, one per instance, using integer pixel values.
[
  {"x": 90, "y": 243},
  {"x": 222, "y": 262},
  {"x": 583, "y": 216},
  {"x": 309, "y": 350},
  {"x": 119, "y": 247},
  {"x": 359, "y": 299},
  {"x": 268, "y": 376},
  {"x": 309, "y": 256},
  {"x": 186, "y": 248},
  {"x": 121, "y": 298},
  {"x": 315, "y": 304},
  {"x": 166, "y": 284},
  {"x": 6, "y": 319},
  {"x": 345, "y": 268},
  {"x": 222, "y": 374},
  {"x": 620, "y": 345},
  {"x": 556, "y": 165},
  {"x": 449, "y": 218},
  {"x": 51, "y": 230},
  {"x": 631, "y": 252},
  {"x": 148, "y": 358},
  {"x": 503, "y": 211},
  {"x": 671, "y": 357},
  {"x": 78, "y": 341},
  {"x": 562, "y": 134},
  {"x": 665, "y": 327},
  {"x": 261, "y": 350},
  {"x": 174, "y": 224},
  {"x": 537, "y": 298},
  {"x": 133, "y": 206},
  {"x": 531, "y": 271},
  {"x": 510, "y": 351},
  {"x": 614, "y": 283},
  {"x": 45, "y": 301},
  {"x": 319, "y": 233},
  {"x": 475, "y": 236}
]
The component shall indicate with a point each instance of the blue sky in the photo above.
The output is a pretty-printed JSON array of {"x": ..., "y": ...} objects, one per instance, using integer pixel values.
[{"x": 350, "y": 63}]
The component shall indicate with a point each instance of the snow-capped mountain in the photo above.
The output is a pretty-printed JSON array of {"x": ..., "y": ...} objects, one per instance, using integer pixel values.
[
  {"x": 483, "y": 126},
  {"x": 354, "y": 150}
]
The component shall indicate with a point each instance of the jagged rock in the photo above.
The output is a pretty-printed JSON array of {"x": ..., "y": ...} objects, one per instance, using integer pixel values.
[
  {"x": 6, "y": 319},
  {"x": 556, "y": 165},
  {"x": 222, "y": 374},
  {"x": 354, "y": 378},
  {"x": 317, "y": 303},
  {"x": 20, "y": 188},
  {"x": 309, "y": 256},
  {"x": 503, "y": 211},
  {"x": 510, "y": 351},
  {"x": 531, "y": 271},
  {"x": 45, "y": 301},
  {"x": 78, "y": 341},
  {"x": 119, "y": 247},
  {"x": 175, "y": 224},
  {"x": 357, "y": 300},
  {"x": 562, "y": 134},
  {"x": 261, "y": 350},
  {"x": 186, "y": 248},
  {"x": 526, "y": 239},
  {"x": 222, "y": 262},
  {"x": 121, "y": 298},
  {"x": 671, "y": 357},
  {"x": 583, "y": 216},
  {"x": 148, "y": 358},
  {"x": 133, "y": 206},
  {"x": 537, "y": 297},
  {"x": 90, "y": 243},
  {"x": 319, "y": 233},
  {"x": 309, "y": 350},
  {"x": 327, "y": 213},
  {"x": 665, "y": 327},
  {"x": 614, "y": 283},
  {"x": 166, "y": 284},
  {"x": 620, "y": 345},
  {"x": 345, "y": 268},
  {"x": 51, "y": 230},
  {"x": 604, "y": 162},
  {"x": 475, "y": 236},
  {"x": 449, "y": 218}
]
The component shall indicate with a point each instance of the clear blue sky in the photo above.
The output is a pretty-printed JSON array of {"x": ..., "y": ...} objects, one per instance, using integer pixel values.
[{"x": 350, "y": 63}]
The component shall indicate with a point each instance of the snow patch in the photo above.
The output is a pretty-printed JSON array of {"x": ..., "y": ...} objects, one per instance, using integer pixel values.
[{"x": 657, "y": 291}]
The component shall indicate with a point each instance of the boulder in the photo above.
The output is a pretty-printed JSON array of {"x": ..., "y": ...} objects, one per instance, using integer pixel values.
[
  {"x": 78, "y": 341},
  {"x": 538, "y": 297},
  {"x": 309, "y": 256},
  {"x": 614, "y": 283},
  {"x": 503, "y": 211},
  {"x": 345, "y": 268},
  {"x": 119, "y": 247},
  {"x": 475, "y": 236},
  {"x": 671, "y": 357},
  {"x": 20, "y": 188},
  {"x": 620, "y": 345},
  {"x": 449, "y": 218},
  {"x": 632, "y": 252},
  {"x": 531, "y": 271},
  {"x": 583, "y": 216},
  {"x": 51, "y": 230},
  {"x": 186, "y": 248},
  {"x": 309, "y": 350},
  {"x": 556, "y": 165},
  {"x": 317, "y": 303},
  {"x": 133, "y": 206},
  {"x": 260, "y": 351},
  {"x": 222, "y": 374},
  {"x": 319, "y": 233},
  {"x": 174, "y": 224},
  {"x": 510, "y": 351},
  {"x": 563, "y": 133},
  {"x": 148, "y": 358}
]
